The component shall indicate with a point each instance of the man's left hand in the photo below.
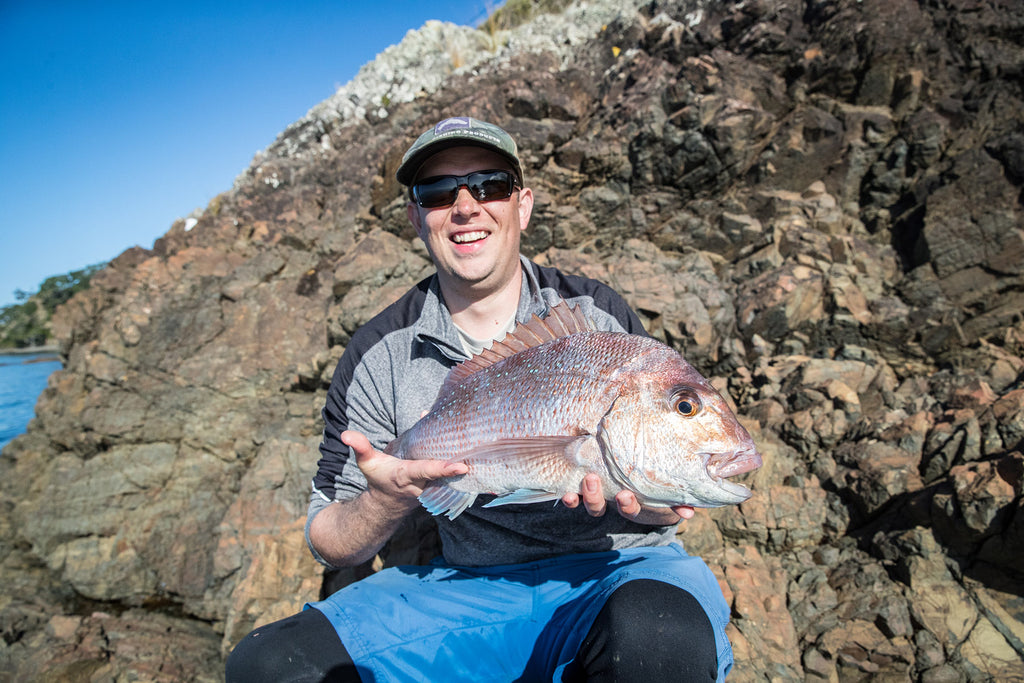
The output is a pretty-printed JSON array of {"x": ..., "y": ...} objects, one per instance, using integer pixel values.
[{"x": 592, "y": 497}]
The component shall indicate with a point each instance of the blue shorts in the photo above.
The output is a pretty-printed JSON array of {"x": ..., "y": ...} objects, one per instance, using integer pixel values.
[{"x": 502, "y": 623}]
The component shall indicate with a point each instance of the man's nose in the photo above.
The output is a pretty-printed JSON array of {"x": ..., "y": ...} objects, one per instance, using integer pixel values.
[{"x": 465, "y": 202}]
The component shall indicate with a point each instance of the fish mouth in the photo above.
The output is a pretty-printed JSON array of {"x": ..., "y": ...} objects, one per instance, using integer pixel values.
[{"x": 721, "y": 466}]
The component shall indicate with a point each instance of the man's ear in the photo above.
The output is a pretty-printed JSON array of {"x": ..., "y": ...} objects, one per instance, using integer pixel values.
[
  {"x": 525, "y": 207},
  {"x": 413, "y": 212}
]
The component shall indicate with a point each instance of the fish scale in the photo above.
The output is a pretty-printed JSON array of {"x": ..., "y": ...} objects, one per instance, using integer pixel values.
[
  {"x": 557, "y": 399},
  {"x": 530, "y": 388}
]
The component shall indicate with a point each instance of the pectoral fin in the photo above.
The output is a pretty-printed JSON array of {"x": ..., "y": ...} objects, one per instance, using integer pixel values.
[
  {"x": 555, "y": 456},
  {"x": 526, "y": 451}
]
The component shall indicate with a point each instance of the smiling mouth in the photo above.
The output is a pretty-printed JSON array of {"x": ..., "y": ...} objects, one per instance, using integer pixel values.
[{"x": 467, "y": 237}]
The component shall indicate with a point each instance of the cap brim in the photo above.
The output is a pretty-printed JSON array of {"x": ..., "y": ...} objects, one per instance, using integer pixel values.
[{"x": 406, "y": 173}]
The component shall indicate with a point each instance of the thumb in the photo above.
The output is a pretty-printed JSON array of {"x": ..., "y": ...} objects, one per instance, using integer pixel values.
[
  {"x": 359, "y": 444},
  {"x": 684, "y": 511}
]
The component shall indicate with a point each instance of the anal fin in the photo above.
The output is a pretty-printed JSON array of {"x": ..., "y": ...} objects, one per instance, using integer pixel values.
[{"x": 524, "y": 496}]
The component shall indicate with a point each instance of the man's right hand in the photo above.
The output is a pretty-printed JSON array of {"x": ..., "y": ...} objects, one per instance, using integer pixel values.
[
  {"x": 351, "y": 532},
  {"x": 395, "y": 479}
]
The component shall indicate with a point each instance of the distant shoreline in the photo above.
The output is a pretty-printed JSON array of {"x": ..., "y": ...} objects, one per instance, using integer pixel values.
[{"x": 30, "y": 350}]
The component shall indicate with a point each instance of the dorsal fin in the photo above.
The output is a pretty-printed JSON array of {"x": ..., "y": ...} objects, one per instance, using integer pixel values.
[{"x": 561, "y": 322}]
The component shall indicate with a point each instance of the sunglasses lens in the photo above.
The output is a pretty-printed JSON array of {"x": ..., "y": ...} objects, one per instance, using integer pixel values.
[
  {"x": 438, "y": 192},
  {"x": 490, "y": 185},
  {"x": 485, "y": 186}
]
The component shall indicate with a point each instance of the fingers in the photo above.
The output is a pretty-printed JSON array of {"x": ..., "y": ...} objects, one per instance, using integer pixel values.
[
  {"x": 379, "y": 467},
  {"x": 629, "y": 506},
  {"x": 428, "y": 470},
  {"x": 684, "y": 511},
  {"x": 593, "y": 496}
]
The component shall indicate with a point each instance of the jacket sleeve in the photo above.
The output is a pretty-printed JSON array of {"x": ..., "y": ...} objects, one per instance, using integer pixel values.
[{"x": 357, "y": 399}]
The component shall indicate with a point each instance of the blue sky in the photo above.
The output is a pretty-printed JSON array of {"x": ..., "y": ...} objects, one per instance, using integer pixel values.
[{"x": 118, "y": 117}]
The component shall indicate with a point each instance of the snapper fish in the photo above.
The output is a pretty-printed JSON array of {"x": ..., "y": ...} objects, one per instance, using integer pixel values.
[{"x": 557, "y": 399}]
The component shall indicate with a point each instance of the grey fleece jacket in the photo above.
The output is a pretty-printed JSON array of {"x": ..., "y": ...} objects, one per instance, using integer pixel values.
[{"x": 390, "y": 374}]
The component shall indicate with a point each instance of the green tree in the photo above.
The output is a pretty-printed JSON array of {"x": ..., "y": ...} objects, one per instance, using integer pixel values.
[
  {"x": 28, "y": 323},
  {"x": 57, "y": 289},
  {"x": 20, "y": 326}
]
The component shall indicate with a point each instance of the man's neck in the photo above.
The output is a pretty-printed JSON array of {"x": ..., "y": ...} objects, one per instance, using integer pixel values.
[{"x": 482, "y": 314}]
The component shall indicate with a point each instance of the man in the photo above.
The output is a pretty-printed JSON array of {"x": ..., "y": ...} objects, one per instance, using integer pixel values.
[{"x": 575, "y": 591}]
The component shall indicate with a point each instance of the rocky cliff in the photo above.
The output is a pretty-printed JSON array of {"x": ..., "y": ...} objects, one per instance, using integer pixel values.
[{"x": 819, "y": 202}]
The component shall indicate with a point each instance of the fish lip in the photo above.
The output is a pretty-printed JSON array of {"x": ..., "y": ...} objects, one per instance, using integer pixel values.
[
  {"x": 739, "y": 492},
  {"x": 727, "y": 464},
  {"x": 722, "y": 465}
]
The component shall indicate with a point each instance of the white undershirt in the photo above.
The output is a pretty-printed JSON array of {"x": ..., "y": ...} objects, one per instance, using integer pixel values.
[{"x": 473, "y": 346}]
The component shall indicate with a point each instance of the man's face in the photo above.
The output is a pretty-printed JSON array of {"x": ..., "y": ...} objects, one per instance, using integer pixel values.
[{"x": 472, "y": 243}]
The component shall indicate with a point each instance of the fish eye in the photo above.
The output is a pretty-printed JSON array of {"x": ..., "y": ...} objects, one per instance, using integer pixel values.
[{"x": 686, "y": 402}]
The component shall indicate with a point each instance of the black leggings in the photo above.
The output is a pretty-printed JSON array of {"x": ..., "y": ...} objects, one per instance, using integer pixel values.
[
  {"x": 647, "y": 631},
  {"x": 300, "y": 649}
]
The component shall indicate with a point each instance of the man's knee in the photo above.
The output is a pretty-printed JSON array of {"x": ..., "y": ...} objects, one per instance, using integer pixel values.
[
  {"x": 257, "y": 657},
  {"x": 653, "y": 631},
  {"x": 244, "y": 662},
  {"x": 303, "y": 647}
]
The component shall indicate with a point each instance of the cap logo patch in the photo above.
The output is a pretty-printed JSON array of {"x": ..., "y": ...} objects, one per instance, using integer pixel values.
[{"x": 452, "y": 124}]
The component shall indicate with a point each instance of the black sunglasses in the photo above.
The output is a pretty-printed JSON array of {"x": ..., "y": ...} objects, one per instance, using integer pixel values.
[{"x": 485, "y": 186}]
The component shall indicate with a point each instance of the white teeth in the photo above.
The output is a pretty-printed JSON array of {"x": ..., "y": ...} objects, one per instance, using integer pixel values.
[{"x": 463, "y": 237}]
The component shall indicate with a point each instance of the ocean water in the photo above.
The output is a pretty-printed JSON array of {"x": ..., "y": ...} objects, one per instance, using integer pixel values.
[{"x": 22, "y": 379}]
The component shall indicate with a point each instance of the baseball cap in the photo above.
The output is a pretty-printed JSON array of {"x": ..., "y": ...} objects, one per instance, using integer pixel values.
[{"x": 455, "y": 132}]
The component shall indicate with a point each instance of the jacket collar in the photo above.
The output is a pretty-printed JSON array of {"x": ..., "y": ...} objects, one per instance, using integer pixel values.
[{"x": 435, "y": 325}]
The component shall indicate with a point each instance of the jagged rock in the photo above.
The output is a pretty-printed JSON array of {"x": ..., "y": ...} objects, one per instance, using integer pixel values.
[
  {"x": 678, "y": 296},
  {"x": 135, "y": 645},
  {"x": 763, "y": 637},
  {"x": 818, "y": 203}
]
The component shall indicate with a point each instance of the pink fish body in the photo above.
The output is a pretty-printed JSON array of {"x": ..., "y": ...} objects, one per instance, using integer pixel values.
[{"x": 557, "y": 399}]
